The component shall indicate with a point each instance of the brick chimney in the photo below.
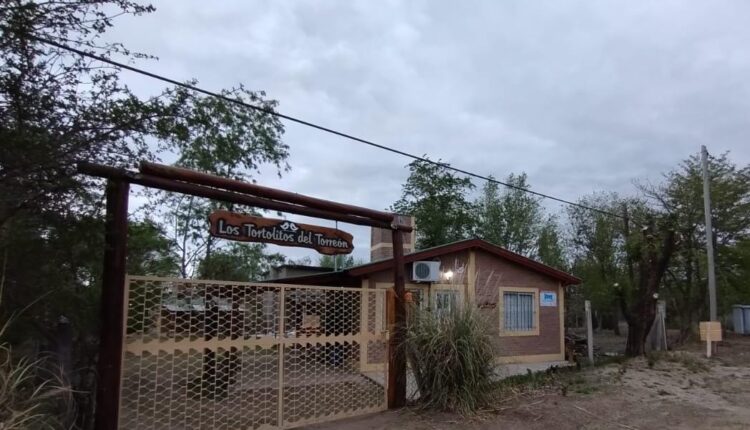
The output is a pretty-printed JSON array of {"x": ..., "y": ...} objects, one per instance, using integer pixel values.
[{"x": 381, "y": 241}]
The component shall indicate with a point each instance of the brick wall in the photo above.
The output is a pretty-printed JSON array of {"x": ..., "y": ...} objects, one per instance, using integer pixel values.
[
  {"x": 454, "y": 262},
  {"x": 492, "y": 273},
  {"x": 381, "y": 242}
]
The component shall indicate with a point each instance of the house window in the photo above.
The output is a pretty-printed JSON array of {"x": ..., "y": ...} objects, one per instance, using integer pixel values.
[
  {"x": 445, "y": 301},
  {"x": 519, "y": 312}
]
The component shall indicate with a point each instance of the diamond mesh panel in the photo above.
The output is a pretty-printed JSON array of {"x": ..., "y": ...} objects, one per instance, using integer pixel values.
[{"x": 216, "y": 355}]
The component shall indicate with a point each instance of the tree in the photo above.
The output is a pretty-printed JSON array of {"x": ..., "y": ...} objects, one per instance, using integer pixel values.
[
  {"x": 651, "y": 256},
  {"x": 218, "y": 138},
  {"x": 550, "y": 250},
  {"x": 438, "y": 201},
  {"x": 238, "y": 262},
  {"x": 623, "y": 269},
  {"x": 58, "y": 109},
  {"x": 150, "y": 252},
  {"x": 682, "y": 196},
  {"x": 339, "y": 261},
  {"x": 512, "y": 219},
  {"x": 596, "y": 247}
]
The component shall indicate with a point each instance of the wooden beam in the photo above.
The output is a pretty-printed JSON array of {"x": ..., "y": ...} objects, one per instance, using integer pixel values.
[
  {"x": 397, "y": 355},
  {"x": 195, "y": 177},
  {"x": 222, "y": 195},
  {"x": 471, "y": 279},
  {"x": 112, "y": 306}
]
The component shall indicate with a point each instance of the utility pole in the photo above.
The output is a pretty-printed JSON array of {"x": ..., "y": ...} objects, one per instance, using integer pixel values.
[{"x": 709, "y": 236}]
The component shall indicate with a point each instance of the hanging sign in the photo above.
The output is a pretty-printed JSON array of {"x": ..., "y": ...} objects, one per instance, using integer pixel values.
[
  {"x": 548, "y": 298},
  {"x": 249, "y": 228}
]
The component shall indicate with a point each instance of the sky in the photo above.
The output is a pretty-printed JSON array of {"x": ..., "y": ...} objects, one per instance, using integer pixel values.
[{"x": 583, "y": 96}]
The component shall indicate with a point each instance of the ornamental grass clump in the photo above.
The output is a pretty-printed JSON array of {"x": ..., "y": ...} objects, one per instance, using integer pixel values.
[
  {"x": 28, "y": 401},
  {"x": 451, "y": 358}
]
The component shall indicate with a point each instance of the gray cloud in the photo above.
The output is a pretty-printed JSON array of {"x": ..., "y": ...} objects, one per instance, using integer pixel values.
[{"x": 581, "y": 95}]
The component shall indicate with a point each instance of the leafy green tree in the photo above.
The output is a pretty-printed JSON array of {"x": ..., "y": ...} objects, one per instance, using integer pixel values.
[
  {"x": 58, "y": 109},
  {"x": 623, "y": 268},
  {"x": 516, "y": 220},
  {"x": 550, "y": 247},
  {"x": 512, "y": 219},
  {"x": 215, "y": 137},
  {"x": 239, "y": 262},
  {"x": 682, "y": 196},
  {"x": 150, "y": 251},
  {"x": 596, "y": 247},
  {"x": 339, "y": 261},
  {"x": 438, "y": 200}
]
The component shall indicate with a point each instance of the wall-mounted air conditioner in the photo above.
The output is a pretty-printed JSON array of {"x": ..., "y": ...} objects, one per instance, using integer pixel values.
[{"x": 425, "y": 271}]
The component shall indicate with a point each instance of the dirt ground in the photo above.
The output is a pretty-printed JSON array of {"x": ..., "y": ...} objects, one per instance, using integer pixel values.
[{"x": 680, "y": 390}]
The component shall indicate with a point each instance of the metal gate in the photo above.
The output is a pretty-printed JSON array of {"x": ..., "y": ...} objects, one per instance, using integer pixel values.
[{"x": 221, "y": 355}]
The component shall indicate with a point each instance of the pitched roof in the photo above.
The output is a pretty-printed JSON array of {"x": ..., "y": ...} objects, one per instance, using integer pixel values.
[{"x": 352, "y": 274}]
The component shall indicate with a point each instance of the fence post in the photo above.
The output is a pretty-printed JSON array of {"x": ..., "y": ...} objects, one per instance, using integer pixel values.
[
  {"x": 397, "y": 356},
  {"x": 661, "y": 332},
  {"x": 113, "y": 305},
  {"x": 589, "y": 332}
]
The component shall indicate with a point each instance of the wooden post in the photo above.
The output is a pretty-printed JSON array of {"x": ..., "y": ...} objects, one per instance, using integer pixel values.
[
  {"x": 390, "y": 324},
  {"x": 661, "y": 332},
  {"x": 589, "y": 332},
  {"x": 397, "y": 356},
  {"x": 112, "y": 306}
]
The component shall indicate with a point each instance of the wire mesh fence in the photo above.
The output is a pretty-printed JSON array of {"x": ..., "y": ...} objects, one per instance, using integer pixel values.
[{"x": 209, "y": 354}]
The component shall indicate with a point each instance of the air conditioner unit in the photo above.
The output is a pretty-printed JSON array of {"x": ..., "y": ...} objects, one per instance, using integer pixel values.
[{"x": 425, "y": 271}]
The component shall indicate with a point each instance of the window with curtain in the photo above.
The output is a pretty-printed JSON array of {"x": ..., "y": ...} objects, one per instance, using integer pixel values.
[{"x": 518, "y": 311}]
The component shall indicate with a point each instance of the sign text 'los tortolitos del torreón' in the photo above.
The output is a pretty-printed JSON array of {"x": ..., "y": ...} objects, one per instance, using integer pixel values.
[{"x": 248, "y": 228}]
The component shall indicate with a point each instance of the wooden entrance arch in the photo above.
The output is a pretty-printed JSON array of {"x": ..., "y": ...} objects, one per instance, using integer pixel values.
[{"x": 200, "y": 184}]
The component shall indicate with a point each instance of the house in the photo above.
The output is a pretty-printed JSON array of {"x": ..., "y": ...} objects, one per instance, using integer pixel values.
[{"x": 522, "y": 299}]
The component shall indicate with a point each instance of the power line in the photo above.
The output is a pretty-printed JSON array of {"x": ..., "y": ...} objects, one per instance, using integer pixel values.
[{"x": 312, "y": 125}]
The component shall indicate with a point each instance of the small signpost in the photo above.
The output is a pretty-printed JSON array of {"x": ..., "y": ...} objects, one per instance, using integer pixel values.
[
  {"x": 249, "y": 228},
  {"x": 710, "y": 332}
]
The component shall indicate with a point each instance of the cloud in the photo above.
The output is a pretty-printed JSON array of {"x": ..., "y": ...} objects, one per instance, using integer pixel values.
[{"x": 581, "y": 95}]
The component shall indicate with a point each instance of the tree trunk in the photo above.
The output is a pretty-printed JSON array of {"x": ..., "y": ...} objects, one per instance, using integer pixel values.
[
  {"x": 617, "y": 322},
  {"x": 652, "y": 266},
  {"x": 638, "y": 327},
  {"x": 635, "y": 345}
]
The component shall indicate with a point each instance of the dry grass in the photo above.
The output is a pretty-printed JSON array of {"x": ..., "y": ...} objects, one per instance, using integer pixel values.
[
  {"x": 452, "y": 360},
  {"x": 31, "y": 397},
  {"x": 687, "y": 360}
]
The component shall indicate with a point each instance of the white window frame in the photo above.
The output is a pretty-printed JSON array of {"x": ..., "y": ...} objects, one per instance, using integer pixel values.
[{"x": 501, "y": 311}]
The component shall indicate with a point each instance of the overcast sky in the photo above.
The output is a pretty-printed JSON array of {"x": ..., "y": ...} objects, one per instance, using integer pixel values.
[{"x": 581, "y": 95}]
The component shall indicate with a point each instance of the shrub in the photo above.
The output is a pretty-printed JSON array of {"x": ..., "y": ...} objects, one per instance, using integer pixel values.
[
  {"x": 451, "y": 358},
  {"x": 28, "y": 401}
]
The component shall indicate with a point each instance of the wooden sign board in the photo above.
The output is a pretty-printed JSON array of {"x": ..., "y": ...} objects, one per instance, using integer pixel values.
[
  {"x": 712, "y": 329},
  {"x": 249, "y": 228}
]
